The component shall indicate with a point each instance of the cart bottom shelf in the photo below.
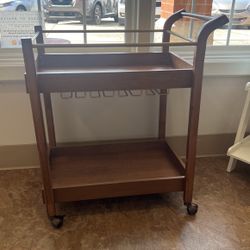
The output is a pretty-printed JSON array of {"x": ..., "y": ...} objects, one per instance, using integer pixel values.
[{"x": 112, "y": 170}]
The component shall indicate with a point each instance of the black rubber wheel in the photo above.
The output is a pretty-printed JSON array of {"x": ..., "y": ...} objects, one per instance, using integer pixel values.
[
  {"x": 21, "y": 8},
  {"x": 192, "y": 208},
  {"x": 121, "y": 22},
  {"x": 57, "y": 221},
  {"x": 97, "y": 14},
  {"x": 51, "y": 20},
  {"x": 116, "y": 19}
]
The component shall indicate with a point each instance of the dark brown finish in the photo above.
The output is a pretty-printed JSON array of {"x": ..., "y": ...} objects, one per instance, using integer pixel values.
[
  {"x": 118, "y": 71},
  {"x": 167, "y": 26},
  {"x": 162, "y": 113},
  {"x": 109, "y": 190},
  {"x": 116, "y": 79},
  {"x": 39, "y": 39},
  {"x": 103, "y": 60},
  {"x": 122, "y": 167},
  {"x": 49, "y": 119},
  {"x": 198, "y": 63},
  {"x": 125, "y": 167},
  {"x": 38, "y": 124},
  {"x": 163, "y": 97}
]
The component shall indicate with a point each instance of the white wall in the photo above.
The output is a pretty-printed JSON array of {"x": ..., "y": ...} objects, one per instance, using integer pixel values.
[{"x": 110, "y": 118}]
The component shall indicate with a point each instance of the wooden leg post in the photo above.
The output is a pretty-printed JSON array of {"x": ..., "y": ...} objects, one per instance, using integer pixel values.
[
  {"x": 162, "y": 114},
  {"x": 36, "y": 107},
  {"x": 49, "y": 119},
  {"x": 191, "y": 147}
]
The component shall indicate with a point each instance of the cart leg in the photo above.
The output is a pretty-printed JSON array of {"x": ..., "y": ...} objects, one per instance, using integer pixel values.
[
  {"x": 192, "y": 208},
  {"x": 162, "y": 114},
  {"x": 51, "y": 209},
  {"x": 55, "y": 220},
  {"x": 191, "y": 147},
  {"x": 32, "y": 86},
  {"x": 231, "y": 165},
  {"x": 49, "y": 119}
]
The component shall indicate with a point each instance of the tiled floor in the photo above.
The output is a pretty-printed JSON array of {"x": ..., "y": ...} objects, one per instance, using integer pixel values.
[{"x": 150, "y": 222}]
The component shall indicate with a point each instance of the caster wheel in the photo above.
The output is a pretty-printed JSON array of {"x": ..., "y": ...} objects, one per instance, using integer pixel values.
[
  {"x": 57, "y": 221},
  {"x": 192, "y": 208}
]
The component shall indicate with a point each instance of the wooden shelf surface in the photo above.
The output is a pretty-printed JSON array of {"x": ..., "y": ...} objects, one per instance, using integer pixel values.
[
  {"x": 94, "y": 72},
  {"x": 121, "y": 166},
  {"x": 104, "y": 69},
  {"x": 241, "y": 150}
]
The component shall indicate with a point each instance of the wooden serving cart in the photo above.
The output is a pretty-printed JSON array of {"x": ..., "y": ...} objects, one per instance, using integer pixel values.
[{"x": 115, "y": 168}]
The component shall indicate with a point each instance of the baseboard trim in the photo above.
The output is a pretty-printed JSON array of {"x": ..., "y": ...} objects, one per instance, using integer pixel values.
[
  {"x": 18, "y": 156},
  {"x": 18, "y": 167},
  {"x": 25, "y": 156},
  {"x": 207, "y": 145}
]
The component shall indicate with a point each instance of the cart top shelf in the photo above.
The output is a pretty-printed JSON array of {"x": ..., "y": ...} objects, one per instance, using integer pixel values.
[
  {"x": 63, "y": 72},
  {"x": 119, "y": 71}
]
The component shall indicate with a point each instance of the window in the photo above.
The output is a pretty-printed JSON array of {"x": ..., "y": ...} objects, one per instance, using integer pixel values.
[
  {"x": 111, "y": 14},
  {"x": 67, "y": 15},
  {"x": 237, "y": 32},
  {"x": 17, "y": 19},
  {"x": 98, "y": 15}
]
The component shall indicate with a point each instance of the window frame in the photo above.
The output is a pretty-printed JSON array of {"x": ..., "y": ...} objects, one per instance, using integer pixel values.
[{"x": 234, "y": 60}]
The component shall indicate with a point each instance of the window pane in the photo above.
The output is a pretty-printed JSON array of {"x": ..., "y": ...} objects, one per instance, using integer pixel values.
[
  {"x": 113, "y": 13},
  {"x": 17, "y": 19},
  {"x": 18, "y": 6},
  {"x": 190, "y": 28},
  {"x": 69, "y": 15},
  {"x": 240, "y": 32}
]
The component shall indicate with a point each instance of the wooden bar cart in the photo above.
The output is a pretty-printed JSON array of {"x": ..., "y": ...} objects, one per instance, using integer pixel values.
[{"x": 115, "y": 168}]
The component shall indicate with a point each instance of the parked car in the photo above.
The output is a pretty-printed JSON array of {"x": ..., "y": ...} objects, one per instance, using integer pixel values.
[
  {"x": 121, "y": 10},
  {"x": 17, "y": 5},
  {"x": 58, "y": 10},
  {"x": 157, "y": 9},
  {"x": 241, "y": 15}
]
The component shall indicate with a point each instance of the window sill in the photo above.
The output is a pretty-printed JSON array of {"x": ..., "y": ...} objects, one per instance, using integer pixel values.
[
  {"x": 220, "y": 61},
  {"x": 223, "y": 61}
]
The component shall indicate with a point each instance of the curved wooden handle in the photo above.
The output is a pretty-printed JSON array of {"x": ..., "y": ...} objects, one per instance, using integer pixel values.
[{"x": 196, "y": 16}]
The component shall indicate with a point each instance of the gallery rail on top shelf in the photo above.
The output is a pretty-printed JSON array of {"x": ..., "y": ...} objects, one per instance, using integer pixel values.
[{"x": 122, "y": 167}]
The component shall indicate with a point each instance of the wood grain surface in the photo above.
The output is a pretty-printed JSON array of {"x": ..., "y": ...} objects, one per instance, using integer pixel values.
[{"x": 131, "y": 170}]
